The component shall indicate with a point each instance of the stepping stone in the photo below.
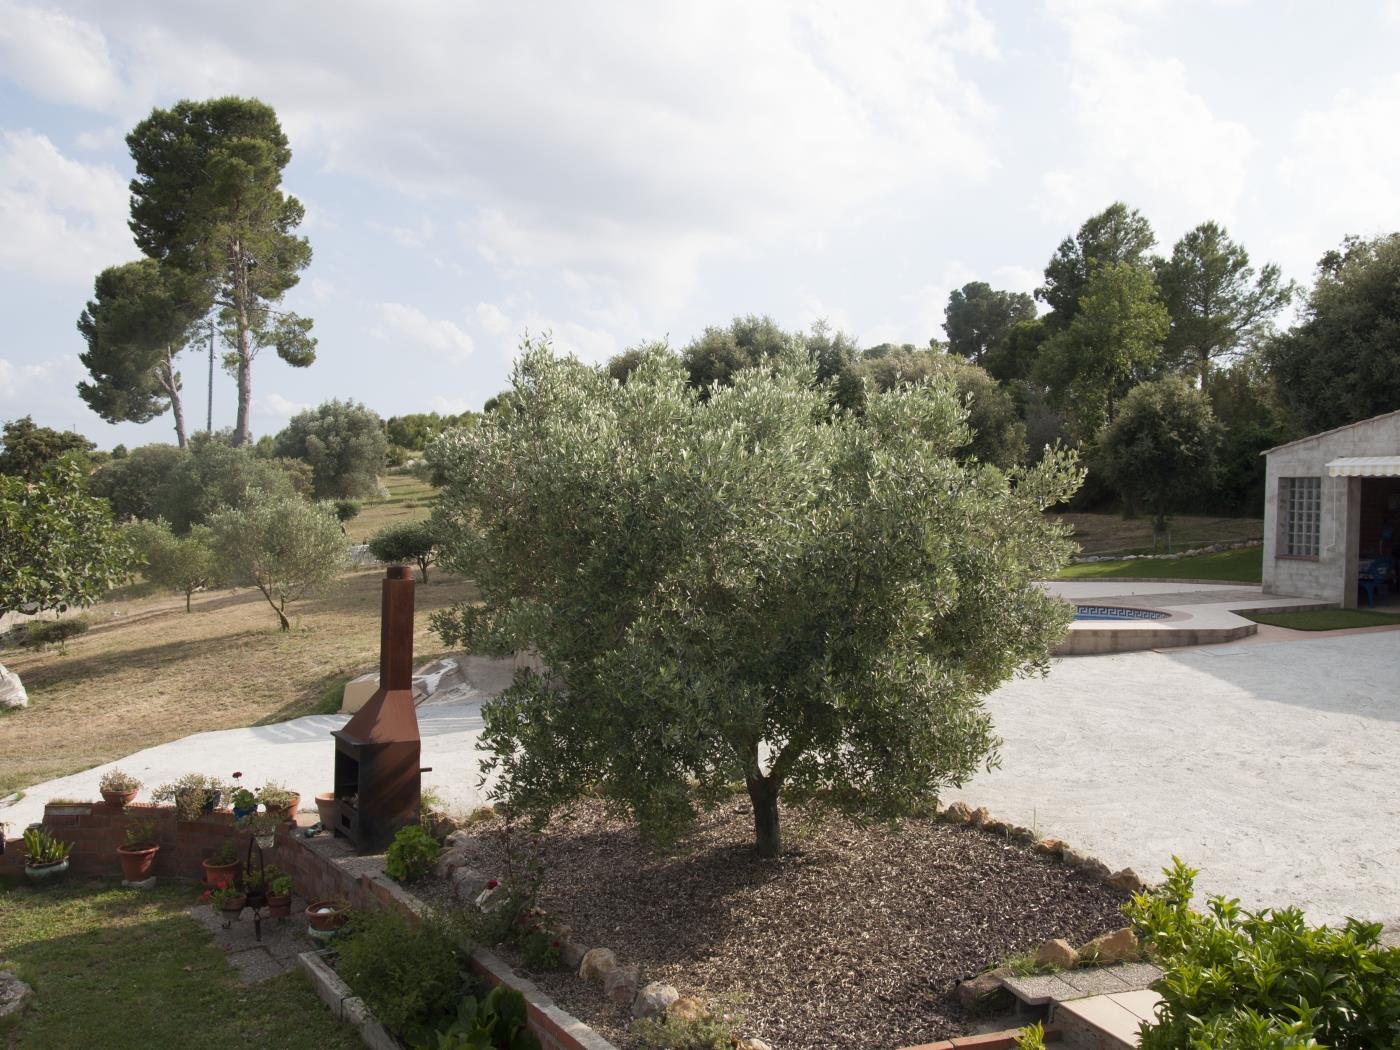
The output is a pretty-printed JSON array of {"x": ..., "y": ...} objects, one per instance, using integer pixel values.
[
  {"x": 1106, "y": 1022},
  {"x": 1067, "y": 985}
]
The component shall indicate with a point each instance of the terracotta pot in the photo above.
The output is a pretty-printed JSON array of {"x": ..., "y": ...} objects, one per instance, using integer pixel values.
[
  {"x": 219, "y": 876},
  {"x": 289, "y": 811},
  {"x": 279, "y": 907},
  {"x": 326, "y": 806},
  {"x": 325, "y": 915},
  {"x": 234, "y": 905},
  {"x": 138, "y": 860},
  {"x": 118, "y": 799}
]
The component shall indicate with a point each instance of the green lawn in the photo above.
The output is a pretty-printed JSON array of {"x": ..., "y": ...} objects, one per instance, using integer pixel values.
[
  {"x": 1326, "y": 619},
  {"x": 1238, "y": 566},
  {"x": 117, "y": 968}
]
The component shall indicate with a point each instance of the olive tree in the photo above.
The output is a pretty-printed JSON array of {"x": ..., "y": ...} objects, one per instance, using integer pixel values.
[
  {"x": 284, "y": 546},
  {"x": 751, "y": 586},
  {"x": 184, "y": 564}
]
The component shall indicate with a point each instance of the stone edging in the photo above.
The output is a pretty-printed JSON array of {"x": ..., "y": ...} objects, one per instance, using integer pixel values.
[{"x": 1214, "y": 548}]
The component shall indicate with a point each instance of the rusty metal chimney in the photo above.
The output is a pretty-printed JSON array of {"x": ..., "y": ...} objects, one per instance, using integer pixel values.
[{"x": 378, "y": 780}]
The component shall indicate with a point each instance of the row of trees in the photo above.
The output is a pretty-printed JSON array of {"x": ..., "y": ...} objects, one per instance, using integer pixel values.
[{"x": 221, "y": 251}]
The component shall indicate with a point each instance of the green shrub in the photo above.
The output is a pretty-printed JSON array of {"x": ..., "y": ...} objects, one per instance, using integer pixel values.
[
  {"x": 498, "y": 1021},
  {"x": 411, "y": 855},
  {"x": 413, "y": 541},
  {"x": 40, "y": 634},
  {"x": 42, "y": 848},
  {"x": 1264, "y": 980},
  {"x": 346, "y": 510},
  {"x": 708, "y": 1032},
  {"x": 412, "y": 976}
]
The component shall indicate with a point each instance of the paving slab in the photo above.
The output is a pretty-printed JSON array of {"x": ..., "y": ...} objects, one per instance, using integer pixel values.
[
  {"x": 1065, "y": 985},
  {"x": 257, "y": 960}
]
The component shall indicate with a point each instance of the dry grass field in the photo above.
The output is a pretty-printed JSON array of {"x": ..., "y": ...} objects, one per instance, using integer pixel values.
[
  {"x": 149, "y": 672},
  {"x": 409, "y": 500}
]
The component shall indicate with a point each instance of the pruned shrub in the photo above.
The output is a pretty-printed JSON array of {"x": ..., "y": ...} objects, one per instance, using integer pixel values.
[
  {"x": 411, "y": 855},
  {"x": 1264, "y": 980},
  {"x": 42, "y": 634}
]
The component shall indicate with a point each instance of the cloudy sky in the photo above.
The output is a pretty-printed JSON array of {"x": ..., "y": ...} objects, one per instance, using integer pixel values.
[{"x": 613, "y": 172}]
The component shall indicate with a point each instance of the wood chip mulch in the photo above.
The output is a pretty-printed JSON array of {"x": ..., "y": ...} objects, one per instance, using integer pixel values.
[{"x": 855, "y": 937}]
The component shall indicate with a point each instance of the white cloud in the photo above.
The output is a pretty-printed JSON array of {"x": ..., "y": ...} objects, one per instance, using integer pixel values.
[
  {"x": 1341, "y": 170},
  {"x": 442, "y": 337},
  {"x": 275, "y": 406},
  {"x": 57, "y": 57},
  {"x": 1144, "y": 132},
  {"x": 492, "y": 318},
  {"x": 43, "y": 389},
  {"x": 415, "y": 236},
  {"x": 62, "y": 219}
]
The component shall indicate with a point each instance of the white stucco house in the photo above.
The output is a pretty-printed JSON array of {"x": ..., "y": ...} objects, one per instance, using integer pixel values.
[{"x": 1332, "y": 514}]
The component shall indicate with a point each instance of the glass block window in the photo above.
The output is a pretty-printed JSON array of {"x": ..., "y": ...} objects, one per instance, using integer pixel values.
[{"x": 1300, "y": 516}]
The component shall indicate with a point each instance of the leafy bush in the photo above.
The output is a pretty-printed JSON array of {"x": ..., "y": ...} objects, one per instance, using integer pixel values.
[
  {"x": 411, "y": 854},
  {"x": 412, "y": 976},
  {"x": 42, "y": 634},
  {"x": 708, "y": 1032},
  {"x": 484, "y": 1024},
  {"x": 346, "y": 510},
  {"x": 1264, "y": 980},
  {"x": 343, "y": 442}
]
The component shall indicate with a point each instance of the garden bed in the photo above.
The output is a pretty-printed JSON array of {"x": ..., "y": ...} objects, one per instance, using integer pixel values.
[{"x": 855, "y": 937}]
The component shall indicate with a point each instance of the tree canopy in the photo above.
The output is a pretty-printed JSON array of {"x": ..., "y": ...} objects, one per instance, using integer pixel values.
[
  {"x": 139, "y": 319},
  {"x": 411, "y": 542},
  {"x": 1218, "y": 305},
  {"x": 214, "y": 475},
  {"x": 751, "y": 586},
  {"x": 284, "y": 546},
  {"x": 1341, "y": 363},
  {"x": 27, "y": 449},
  {"x": 344, "y": 444},
  {"x": 978, "y": 317},
  {"x": 1118, "y": 234},
  {"x": 1160, "y": 451},
  {"x": 184, "y": 564},
  {"x": 207, "y": 201},
  {"x": 58, "y": 546}
]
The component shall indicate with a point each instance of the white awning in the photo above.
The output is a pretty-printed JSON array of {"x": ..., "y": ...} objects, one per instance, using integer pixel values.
[{"x": 1365, "y": 467}]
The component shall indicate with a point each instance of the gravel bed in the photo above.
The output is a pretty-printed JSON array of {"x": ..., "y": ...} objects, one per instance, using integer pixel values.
[{"x": 855, "y": 937}]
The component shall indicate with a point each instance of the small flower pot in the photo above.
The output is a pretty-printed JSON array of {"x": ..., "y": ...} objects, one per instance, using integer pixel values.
[
  {"x": 46, "y": 872},
  {"x": 325, "y": 916},
  {"x": 326, "y": 806},
  {"x": 239, "y": 813},
  {"x": 234, "y": 905},
  {"x": 289, "y": 811},
  {"x": 138, "y": 860},
  {"x": 118, "y": 799},
  {"x": 279, "y": 907},
  {"x": 220, "y": 876}
]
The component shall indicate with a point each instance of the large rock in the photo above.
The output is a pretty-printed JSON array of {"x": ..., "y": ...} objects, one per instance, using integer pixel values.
[
  {"x": 449, "y": 861},
  {"x": 12, "y": 694},
  {"x": 468, "y": 883},
  {"x": 14, "y": 993},
  {"x": 597, "y": 962},
  {"x": 753, "y": 1042},
  {"x": 1052, "y": 847},
  {"x": 1118, "y": 946},
  {"x": 958, "y": 813},
  {"x": 571, "y": 954},
  {"x": 620, "y": 984},
  {"x": 1057, "y": 953},
  {"x": 983, "y": 991},
  {"x": 458, "y": 839},
  {"x": 654, "y": 1000}
]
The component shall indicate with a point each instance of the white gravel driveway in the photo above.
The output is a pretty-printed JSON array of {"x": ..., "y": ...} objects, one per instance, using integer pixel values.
[{"x": 1273, "y": 768}]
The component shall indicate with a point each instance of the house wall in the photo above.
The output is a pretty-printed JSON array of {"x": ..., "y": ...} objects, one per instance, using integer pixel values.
[{"x": 1325, "y": 577}]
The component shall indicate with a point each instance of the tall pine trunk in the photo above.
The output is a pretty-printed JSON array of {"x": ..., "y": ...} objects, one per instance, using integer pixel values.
[
  {"x": 170, "y": 381},
  {"x": 242, "y": 432}
]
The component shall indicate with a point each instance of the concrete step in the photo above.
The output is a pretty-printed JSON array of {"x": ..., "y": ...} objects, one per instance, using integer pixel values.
[{"x": 1105, "y": 1022}]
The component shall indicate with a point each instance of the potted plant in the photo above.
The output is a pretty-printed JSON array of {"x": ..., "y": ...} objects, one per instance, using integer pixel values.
[
  {"x": 243, "y": 801},
  {"x": 262, "y": 826},
  {"x": 325, "y": 917},
  {"x": 193, "y": 795},
  {"x": 221, "y": 869},
  {"x": 138, "y": 855},
  {"x": 45, "y": 856},
  {"x": 279, "y": 800},
  {"x": 118, "y": 788},
  {"x": 279, "y": 896},
  {"x": 229, "y": 900}
]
